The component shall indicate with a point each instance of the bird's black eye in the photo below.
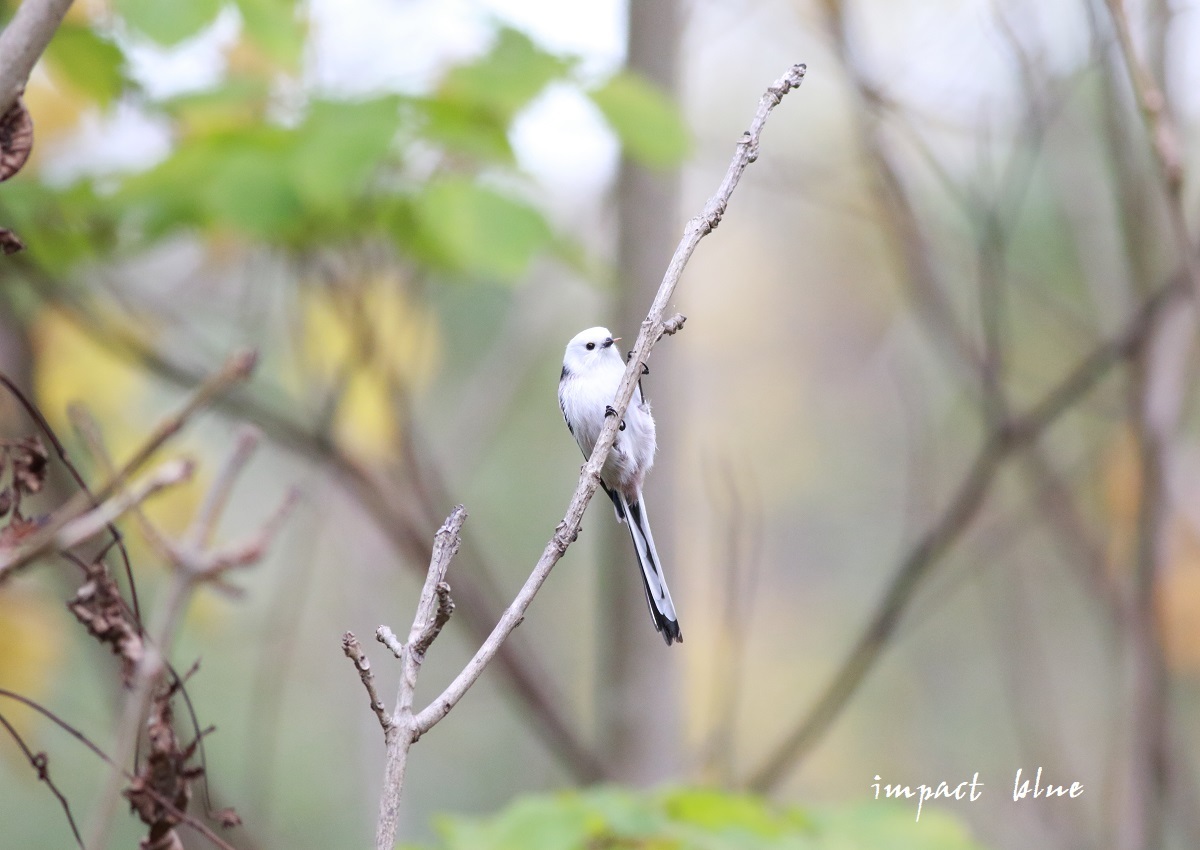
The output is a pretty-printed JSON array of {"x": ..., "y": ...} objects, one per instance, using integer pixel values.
[{"x": 590, "y": 346}]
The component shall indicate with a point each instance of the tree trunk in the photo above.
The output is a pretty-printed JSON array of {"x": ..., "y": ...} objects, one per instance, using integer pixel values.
[{"x": 640, "y": 707}]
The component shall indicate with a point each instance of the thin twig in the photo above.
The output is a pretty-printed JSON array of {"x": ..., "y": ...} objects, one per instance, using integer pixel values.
[
  {"x": 237, "y": 368},
  {"x": 354, "y": 651},
  {"x": 1164, "y": 140},
  {"x": 1141, "y": 818},
  {"x": 191, "y": 820},
  {"x": 1001, "y": 443},
  {"x": 651, "y": 330},
  {"x": 98, "y": 520},
  {"x": 192, "y": 566},
  {"x": 200, "y": 535},
  {"x": 40, "y": 762},
  {"x": 43, "y": 425},
  {"x": 926, "y": 287},
  {"x": 388, "y": 638},
  {"x": 525, "y": 676},
  {"x": 435, "y": 606}
]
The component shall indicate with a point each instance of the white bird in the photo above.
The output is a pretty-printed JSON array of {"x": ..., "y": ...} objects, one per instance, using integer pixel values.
[{"x": 591, "y": 373}]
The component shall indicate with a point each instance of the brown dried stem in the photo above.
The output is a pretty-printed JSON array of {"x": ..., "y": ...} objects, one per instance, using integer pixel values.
[
  {"x": 193, "y": 564},
  {"x": 237, "y": 368}
]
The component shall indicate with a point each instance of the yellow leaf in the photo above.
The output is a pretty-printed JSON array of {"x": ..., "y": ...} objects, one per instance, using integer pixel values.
[
  {"x": 70, "y": 366},
  {"x": 31, "y": 647},
  {"x": 56, "y": 110},
  {"x": 372, "y": 339}
]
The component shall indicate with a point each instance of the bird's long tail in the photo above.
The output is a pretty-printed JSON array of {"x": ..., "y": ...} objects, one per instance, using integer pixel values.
[{"x": 662, "y": 609}]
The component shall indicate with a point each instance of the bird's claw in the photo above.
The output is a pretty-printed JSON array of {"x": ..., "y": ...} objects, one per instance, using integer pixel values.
[{"x": 609, "y": 410}]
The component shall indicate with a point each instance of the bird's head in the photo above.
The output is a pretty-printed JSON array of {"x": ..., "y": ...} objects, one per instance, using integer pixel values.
[{"x": 589, "y": 348}]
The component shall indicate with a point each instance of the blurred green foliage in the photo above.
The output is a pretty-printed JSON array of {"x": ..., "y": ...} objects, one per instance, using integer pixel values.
[
  {"x": 88, "y": 61},
  {"x": 430, "y": 173},
  {"x": 614, "y": 818}
]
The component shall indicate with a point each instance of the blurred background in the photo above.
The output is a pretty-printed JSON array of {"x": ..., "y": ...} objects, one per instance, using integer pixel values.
[{"x": 926, "y": 490}]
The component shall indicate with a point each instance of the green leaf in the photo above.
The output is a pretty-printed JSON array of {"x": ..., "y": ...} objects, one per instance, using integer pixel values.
[
  {"x": 474, "y": 229},
  {"x": 715, "y": 811},
  {"x": 275, "y": 26},
  {"x": 239, "y": 181},
  {"x": 697, "y": 819},
  {"x": 236, "y": 103},
  {"x": 879, "y": 824},
  {"x": 60, "y": 227},
  {"x": 92, "y": 64},
  {"x": 505, "y": 79},
  {"x": 545, "y": 823},
  {"x": 168, "y": 23},
  {"x": 463, "y": 128},
  {"x": 339, "y": 145},
  {"x": 646, "y": 122},
  {"x": 627, "y": 815},
  {"x": 251, "y": 191}
]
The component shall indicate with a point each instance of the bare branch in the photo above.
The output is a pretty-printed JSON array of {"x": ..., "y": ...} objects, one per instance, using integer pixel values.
[
  {"x": 237, "y": 368},
  {"x": 96, "y": 521},
  {"x": 40, "y": 762},
  {"x": 433, "y": 610},
  {"x": 651, "y": 331},
  {"x": 192, "y": 566},
  {"x": 183, "y": 816},
  {"x": 200, "y": 534},
  {"x": 406, "y": 532},
  {"x": 354, "y": 651},
  {"x": 1164, "y": 140},
  {"x": 22, "y": 43},
  {"x": 435, "y": 605},
  {"x": 926, "y": 287},
  {"x": 388, "y": 638},
  {"x": 1002, "y": 442}
]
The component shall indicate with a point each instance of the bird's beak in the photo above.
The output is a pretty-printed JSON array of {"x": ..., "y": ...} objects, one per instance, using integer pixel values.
[{"x": 608, "y": 342}]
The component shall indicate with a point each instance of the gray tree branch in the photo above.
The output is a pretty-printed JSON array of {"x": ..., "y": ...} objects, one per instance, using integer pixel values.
[
  {"x": 1002, "y": 442},
  {"x": 433, "y": 609},
  {"x": 402, "y": 729},
  {"x": 23, "y": 42}
]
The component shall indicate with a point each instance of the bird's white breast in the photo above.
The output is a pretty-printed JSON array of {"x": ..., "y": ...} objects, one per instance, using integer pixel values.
[{"x": 584, "y": 397}]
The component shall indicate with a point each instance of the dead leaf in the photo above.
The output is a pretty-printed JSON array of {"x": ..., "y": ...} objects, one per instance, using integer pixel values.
[
  {"x": 227, "y": 818},
  {"x": 29, "y": 457},
  {"x": 99, "y": 607},
  {"x": 16, "y": 139},
  {"x": 17, "y": 530},
  {"x": 164, "y": 776},
  {"x": 10, "y": 243}
]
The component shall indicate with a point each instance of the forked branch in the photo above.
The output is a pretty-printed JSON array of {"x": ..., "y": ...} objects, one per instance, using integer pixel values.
[{"x": 434, "y": 608}]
